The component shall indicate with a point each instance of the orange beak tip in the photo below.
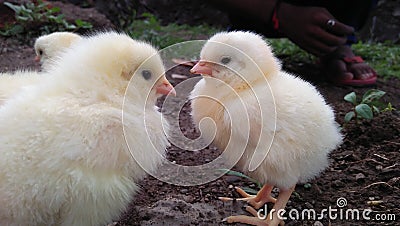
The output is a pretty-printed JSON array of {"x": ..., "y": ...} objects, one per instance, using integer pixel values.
[
  {"x": 201, "y": 68},
  {"x": 166, "y": 89}
]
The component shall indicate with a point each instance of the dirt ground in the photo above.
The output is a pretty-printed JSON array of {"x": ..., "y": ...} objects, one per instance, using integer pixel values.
[{"x": 365, "y": 169}]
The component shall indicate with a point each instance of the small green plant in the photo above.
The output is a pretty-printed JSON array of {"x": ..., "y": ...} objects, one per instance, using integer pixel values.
[
  {"x": 239, "y": 174},
  {"x": 384, "y": 57},
  {"x": 148, "y": 27},
  {"x": 31, "y": 15},
  {"x": 367, "y": 106},
  {"x": 285, "y": 49},
  {"x": 389, "y": 108}
]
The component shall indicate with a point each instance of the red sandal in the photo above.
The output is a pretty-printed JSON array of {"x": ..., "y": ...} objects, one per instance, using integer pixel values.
[{"x": 355, "y": 82}]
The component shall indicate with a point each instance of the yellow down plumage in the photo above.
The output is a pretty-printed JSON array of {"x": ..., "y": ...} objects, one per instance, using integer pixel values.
[
  {"x": 64, "y": 156},
  {"x": 297, "y": 126}
]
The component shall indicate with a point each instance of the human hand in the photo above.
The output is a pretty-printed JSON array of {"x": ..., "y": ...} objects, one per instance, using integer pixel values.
[{"x": 307, "y": 27}]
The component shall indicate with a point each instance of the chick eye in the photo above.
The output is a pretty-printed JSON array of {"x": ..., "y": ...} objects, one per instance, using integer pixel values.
[
  {"x": 40, "y": 52},
  {"x": 146, "y": 74},
  {"x": 225, "y": 60}
]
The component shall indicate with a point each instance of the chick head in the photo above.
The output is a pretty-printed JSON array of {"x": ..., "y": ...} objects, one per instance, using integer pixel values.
[
  {"x": 228, "y": 54},
  {"x": 150, "y": 75},
  {"x": 47, "y": 47},
  {"x": 112, "y": 59}
]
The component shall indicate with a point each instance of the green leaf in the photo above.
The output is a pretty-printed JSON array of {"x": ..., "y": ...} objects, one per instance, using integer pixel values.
[
  {"x": 349, "y": 116},
  {"x": 22, "y": 18},
  {"x": 56, "y": 19},
  {"x": 235, "y": 173},
  {"x": 79, "y": 22},
  {"x": 351, "y": 97},
  {"x": 389, "y": 108},
  {"x": 54, "y": 10},
  {"x": 60, "y": 17},
  {"x": 376, "y": 109},
  {"x": 250, "y": 191},
  {"x": 70, "y": 26},
  {"x": 83, "y": 24},
  {"x": 28, "y": 11},
  {"x": 239, "y": 174},
  {"x": 12, "y": 30},
  {"x": 364, "y": 111},
  {"x": 15, "y": 8},
  {"x": 372, "y": 95},
  {"x": 378, "y": 104}
]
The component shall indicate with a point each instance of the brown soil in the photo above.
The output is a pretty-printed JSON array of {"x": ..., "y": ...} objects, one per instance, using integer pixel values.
[{"x": 365, "y": 168}]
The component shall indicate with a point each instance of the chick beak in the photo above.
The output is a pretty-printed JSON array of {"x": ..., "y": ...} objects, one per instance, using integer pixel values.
[
  {"x": 201, "y": 68},
  {"x": 165, "y": 88},
  {"x": 37, "y": 58}
]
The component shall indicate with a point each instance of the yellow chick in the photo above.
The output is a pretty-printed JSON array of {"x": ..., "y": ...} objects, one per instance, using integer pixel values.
[
  {"x": 291, "y": 128},
  {"x": 65, "y": 160},
  {"x": 14, "y": 82},
  {"x": 49, "y": 47}
]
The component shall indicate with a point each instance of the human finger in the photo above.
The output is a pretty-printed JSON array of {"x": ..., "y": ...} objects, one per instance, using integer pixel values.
[
  {"x": 316, "y": 47},
  {"x": 338, "y": 28},
  {"x": 328, "y": 38}
]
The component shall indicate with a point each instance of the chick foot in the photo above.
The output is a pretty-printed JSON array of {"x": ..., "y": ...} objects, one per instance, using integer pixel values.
[
  {"x": 257, "y": 201},
  {"x": 260, "y": 219}
]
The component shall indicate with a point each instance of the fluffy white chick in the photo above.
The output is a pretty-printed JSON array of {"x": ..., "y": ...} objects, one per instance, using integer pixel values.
[
  {"x": 12, "y": 83},
  {"x": 49, "y": 47},
  {"x": 64, "y": 156},
  {"x": 295, "y": 117}
]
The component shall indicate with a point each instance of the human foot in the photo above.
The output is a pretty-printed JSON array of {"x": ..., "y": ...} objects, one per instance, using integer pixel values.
[{"x": 344, "y": 68}]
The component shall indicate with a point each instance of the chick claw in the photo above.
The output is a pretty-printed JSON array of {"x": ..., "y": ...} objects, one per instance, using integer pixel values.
[
  {"x": 258, "y": 219},
  {"x": 257, "y": 201},
  {"x": 260, "y": 216}
]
